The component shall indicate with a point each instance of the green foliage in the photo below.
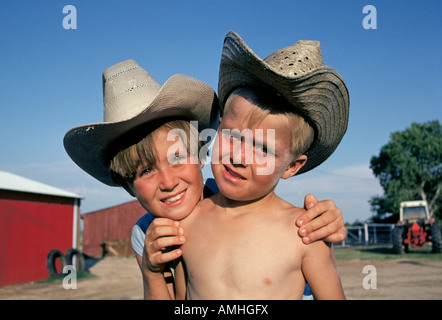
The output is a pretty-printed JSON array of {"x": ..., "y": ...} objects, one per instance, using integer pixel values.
[{"x": 409, "y": 167}]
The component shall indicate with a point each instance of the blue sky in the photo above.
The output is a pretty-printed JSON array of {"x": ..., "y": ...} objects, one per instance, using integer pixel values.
[{"x": 50, "y": 77}]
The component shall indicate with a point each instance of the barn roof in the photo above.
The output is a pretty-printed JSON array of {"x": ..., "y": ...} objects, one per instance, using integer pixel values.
[{"x": 12, "y": 182}]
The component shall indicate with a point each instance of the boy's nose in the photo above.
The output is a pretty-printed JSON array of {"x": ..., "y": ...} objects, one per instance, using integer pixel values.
[
  {"x": 168, "y": 180},
  {"x": 238, "y": 155}
]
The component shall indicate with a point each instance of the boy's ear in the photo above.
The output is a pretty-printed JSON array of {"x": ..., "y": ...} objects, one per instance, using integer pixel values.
[
  {"x": 294, "y": 167},
  {"x": 220, "y": 119}
]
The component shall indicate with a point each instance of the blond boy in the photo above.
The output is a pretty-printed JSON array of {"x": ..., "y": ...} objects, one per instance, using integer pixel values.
[{"x": 253, "y": 252}]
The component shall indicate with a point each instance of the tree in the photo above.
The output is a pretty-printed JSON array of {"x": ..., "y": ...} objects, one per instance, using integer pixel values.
[{"x": 409, "y": 168}]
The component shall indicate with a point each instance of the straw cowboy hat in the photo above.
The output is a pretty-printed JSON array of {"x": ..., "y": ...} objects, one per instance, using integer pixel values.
[
  {"x": 297, "y": 73},
  {"x": 134, "y": 100}
]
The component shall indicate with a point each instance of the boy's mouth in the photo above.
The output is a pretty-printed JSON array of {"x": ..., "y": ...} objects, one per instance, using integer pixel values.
[
  {"x": 232, "y": 175},
  {"x": 174, "y": 199}
]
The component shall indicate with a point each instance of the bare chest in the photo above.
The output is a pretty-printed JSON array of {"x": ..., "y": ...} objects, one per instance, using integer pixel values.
[{"x": 244, "y": 258}]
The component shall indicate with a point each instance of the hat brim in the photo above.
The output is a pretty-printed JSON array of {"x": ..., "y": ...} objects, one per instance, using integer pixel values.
[
  {"x": 321, "y": 96},
  {"x": 92, "y": 146}
]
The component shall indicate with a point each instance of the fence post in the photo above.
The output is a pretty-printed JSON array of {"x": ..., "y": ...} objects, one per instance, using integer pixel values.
[
  {"x": 366, "y": 234},
  {"x": 391, "y": 233}
]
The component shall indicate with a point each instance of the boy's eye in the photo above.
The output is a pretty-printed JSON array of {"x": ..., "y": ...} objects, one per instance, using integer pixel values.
[
  {"x": 261, "y": 148},
  {"x": 144, "y": 171},
  {"x": 265, "y": 150}
]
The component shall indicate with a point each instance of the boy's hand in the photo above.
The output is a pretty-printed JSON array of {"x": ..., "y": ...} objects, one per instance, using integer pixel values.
[
  {"x": 161, "y": 233},
  {"x": 322, "y": 220}
]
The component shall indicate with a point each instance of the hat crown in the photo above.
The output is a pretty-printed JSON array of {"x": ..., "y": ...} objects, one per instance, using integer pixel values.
[
  {"x": 297, "y": 59},
  {"x": 127, "y": 90}
]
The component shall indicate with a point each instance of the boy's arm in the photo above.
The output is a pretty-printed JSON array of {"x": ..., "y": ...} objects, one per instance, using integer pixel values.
[
  {"x": 156, "y": 285},
  {"x": 322, "y": 220},
  {"x": 161, "y": 233},
  {"x": 320, "y": 272}
]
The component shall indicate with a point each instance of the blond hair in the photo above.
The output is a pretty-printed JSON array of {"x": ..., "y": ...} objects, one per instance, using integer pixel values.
[{"x": 265, "y": 103}]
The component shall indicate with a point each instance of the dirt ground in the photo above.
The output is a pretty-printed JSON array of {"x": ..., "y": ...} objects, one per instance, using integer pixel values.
[{"x": 119, "y": 278}]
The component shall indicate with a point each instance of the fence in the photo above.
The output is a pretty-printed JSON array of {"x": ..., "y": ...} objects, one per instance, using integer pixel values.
[{"x": 369, "y": 234}]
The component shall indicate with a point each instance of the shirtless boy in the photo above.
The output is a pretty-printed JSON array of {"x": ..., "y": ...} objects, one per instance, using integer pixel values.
[{"x": 238, "y": 242}]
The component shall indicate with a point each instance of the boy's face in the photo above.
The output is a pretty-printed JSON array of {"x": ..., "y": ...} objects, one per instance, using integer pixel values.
[
  {"x": 172, "y": 186},
  {"x": 248, "y": 166}
]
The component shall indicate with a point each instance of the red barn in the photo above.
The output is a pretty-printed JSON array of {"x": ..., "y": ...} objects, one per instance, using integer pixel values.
[
  {"x": 34, "y": 219},
  {"x": 112, "y": 228}
]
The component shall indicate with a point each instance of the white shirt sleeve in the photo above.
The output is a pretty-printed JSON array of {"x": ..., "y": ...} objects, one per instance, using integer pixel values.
[{"x": 137, "y": 240}]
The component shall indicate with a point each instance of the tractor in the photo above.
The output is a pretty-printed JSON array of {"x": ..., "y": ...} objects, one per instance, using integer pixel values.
[{"x": 416, "y": 228}]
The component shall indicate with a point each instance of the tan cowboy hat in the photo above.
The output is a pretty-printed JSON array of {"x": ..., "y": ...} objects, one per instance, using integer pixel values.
[
  {"x": 297, "y": 73},
  {"x": 135, "y": 101}
]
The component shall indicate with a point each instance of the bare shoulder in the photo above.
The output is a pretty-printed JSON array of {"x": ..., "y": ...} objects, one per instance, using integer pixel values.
[
  {"x": 288, "y": 210},
  {"x": 203, "y": 206},
  {"x": 284, "y": 214},
  {"x": 208, "y": 204}
]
